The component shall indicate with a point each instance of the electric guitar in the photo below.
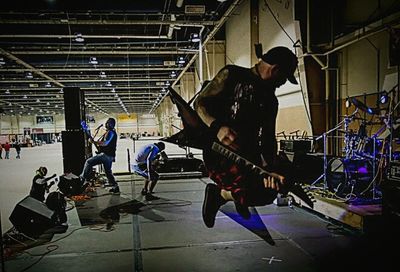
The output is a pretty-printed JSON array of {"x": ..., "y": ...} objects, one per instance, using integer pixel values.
[
  {"x": 197, "y": 134},
  {"x": 247, "y": 166},
  {"x": 86, "y": 129}
]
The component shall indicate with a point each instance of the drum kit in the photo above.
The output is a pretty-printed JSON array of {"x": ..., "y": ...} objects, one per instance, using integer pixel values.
[{"x": 357, "y": 173}]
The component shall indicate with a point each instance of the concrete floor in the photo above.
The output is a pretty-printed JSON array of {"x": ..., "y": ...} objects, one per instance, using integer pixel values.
[{"x": 168, "y": 234}]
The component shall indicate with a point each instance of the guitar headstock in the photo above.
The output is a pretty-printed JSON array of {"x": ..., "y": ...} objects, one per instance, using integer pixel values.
[
  {"x": 84, "y": 126},
  {"x": 303, "y": 192}
]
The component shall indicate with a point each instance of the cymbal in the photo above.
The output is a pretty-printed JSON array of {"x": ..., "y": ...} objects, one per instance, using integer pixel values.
[{"x": 354, "y": 118}]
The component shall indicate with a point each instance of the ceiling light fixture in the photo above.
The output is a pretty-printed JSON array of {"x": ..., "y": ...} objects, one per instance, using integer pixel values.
[
  {"x": 29, "y": 75},
  {"x": 194, "y": 37},
  {"x": 93, "y": 60},
  {"x": 181, "y": 60},
  {"x": 79, "y": 38}
]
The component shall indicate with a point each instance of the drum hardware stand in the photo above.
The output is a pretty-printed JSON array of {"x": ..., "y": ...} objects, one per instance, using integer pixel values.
[{"x": 346, "y": 122}]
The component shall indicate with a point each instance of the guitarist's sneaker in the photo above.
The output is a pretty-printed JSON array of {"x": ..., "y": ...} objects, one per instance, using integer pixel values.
[
  {"x": 150, "y": 197},
  {"x": 83, "y": 188},
  {"x": 212, "y": 201},
  {"x": 115, "y": 190},
  {"x": 144, "y": 192},
  {"x": 242, "y": 210}
]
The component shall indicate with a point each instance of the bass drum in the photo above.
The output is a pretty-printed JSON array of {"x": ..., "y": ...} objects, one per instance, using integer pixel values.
[{"x": 346, "y": 177}]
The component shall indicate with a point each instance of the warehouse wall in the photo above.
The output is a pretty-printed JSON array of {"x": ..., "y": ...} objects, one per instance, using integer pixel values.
[{"x": 293, "y": 107}]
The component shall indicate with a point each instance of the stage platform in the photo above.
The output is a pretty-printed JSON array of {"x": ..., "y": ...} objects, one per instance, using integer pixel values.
[
  {"x": 127, "y": 233},
  {"x": 363, "y": 215}
]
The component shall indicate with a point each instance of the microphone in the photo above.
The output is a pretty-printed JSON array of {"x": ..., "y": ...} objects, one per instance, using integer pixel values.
[{"x": 99, "y": 127}]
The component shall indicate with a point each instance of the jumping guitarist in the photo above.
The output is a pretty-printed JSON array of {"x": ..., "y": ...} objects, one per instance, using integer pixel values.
[
  {"x": 107, "y": 145},
  {"x": 240, "y": 108}
]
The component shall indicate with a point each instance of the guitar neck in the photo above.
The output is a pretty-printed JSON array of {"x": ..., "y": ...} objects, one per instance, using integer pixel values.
[
  {"x": 239, "y": 160},
  {"x": 91, "y": 138}
]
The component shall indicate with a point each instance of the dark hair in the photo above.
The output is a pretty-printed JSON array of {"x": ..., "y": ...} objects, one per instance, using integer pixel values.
[
  {"x": 160, "y": 145},
  {"x": 42, "y": 171},
  {"x": 111, "y": 122}
]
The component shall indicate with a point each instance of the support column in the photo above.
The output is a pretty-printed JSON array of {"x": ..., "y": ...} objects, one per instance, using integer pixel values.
[{"x": 254, "y": 29}]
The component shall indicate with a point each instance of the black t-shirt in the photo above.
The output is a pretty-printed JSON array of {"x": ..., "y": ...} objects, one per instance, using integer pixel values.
[
  {"x": 38, "y": 188},
  {"x": 248, "y": 105},
  {"x": 112, "y": 145}
]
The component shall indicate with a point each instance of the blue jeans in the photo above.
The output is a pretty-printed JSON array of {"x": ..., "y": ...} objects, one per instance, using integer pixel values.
[
  {"x": 96, "y": 160},
  {"x": 142, "y": 171}
]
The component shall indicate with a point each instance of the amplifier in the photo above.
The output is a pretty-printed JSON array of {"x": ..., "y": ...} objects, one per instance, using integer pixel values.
[
  {"x": 393, "y": 173},
  {"x": 304, "y": 146}
]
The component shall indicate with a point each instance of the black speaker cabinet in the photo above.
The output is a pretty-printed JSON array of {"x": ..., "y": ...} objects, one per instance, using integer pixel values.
[
  {"x": 69, "y": 184},
  {"x": 75, "y": 151},
  {"x": 74, "y": 107},
  {"x": 32, "y": 217}
]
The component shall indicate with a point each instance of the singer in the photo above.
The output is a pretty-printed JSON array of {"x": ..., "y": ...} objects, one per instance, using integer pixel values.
[{"x": 107, "y": 144}]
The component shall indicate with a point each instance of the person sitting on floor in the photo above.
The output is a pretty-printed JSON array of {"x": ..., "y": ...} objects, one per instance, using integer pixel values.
[
  {"x": 144, "y": 167},
  {"x": 39, "y": 184}
]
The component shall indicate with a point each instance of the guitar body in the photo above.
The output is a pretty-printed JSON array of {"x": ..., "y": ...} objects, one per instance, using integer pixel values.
[
  {"x": 246, "y": 184},
  {"x": 246, "y": 180}
]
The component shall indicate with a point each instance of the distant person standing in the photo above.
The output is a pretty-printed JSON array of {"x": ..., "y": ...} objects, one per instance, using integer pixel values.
[
  {"x": 1, "y": 151},
  {"x": 17, "y": 146},
  {"x": 7, "y": 147}
]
